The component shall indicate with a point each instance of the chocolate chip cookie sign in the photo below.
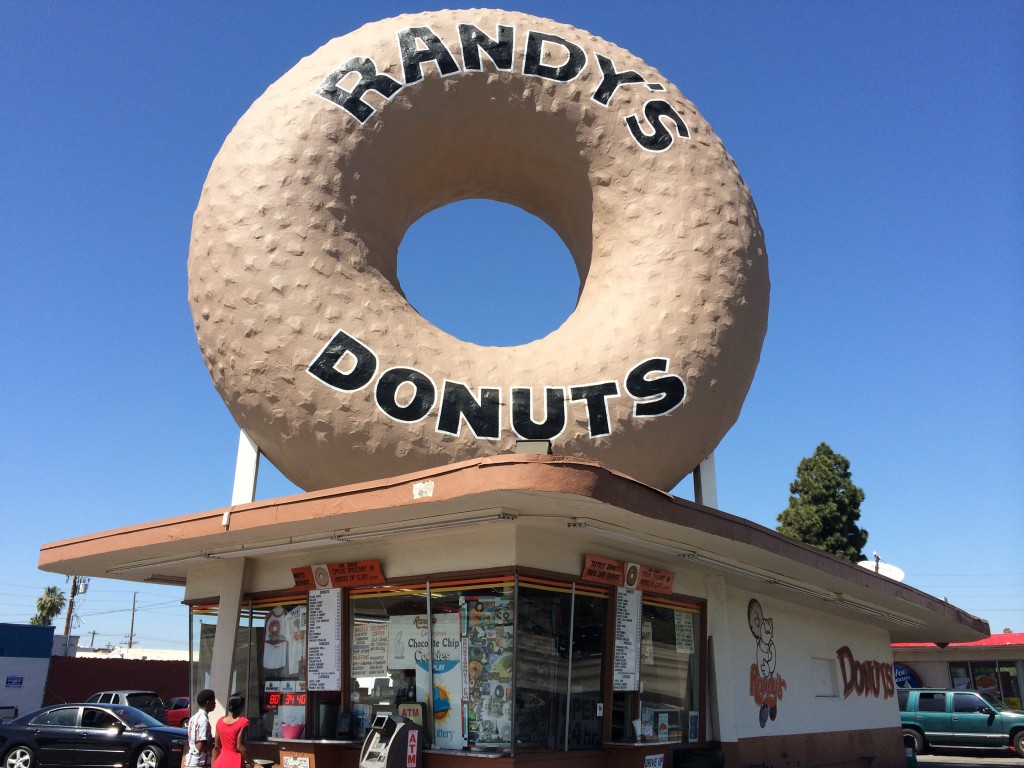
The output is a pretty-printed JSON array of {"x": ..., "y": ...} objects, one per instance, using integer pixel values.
[{"x": 293, "y": 262}]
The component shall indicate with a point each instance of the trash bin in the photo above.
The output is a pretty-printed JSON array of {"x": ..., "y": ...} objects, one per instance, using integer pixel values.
[{"x": 910, "y": 749}]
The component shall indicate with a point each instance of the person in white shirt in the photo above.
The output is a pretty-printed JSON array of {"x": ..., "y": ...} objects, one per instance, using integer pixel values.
[{"x": 200, "y": 735}]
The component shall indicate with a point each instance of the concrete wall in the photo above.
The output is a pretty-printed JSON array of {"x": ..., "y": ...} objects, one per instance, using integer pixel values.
[
  {"x": 934, "y": 674},
  {"x": 820, "y": 713},
  {"x": 24, "y": 664},
  {"x": 76, "y": 679},
  {"x": 804, "y": 658}
]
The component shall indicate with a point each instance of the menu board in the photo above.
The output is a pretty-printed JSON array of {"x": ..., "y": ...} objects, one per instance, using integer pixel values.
[
  {"x": 369, "y": 649},
  {"x": 324, "y": 637},
  {"x": 684, "y": 632},
  {"x": 626, "y": 670}
]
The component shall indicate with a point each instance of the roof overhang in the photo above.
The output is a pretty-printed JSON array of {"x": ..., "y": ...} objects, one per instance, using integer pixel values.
[{"x": 568, "y": 496}]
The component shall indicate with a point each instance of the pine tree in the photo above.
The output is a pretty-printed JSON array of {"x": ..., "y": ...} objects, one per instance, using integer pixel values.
[{"x": 824, "y": 506}]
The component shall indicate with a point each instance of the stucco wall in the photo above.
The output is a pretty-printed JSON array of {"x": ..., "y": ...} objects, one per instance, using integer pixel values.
[
  {"x": 495, "y": 545},
  {"x": 934, "y": 674},
  {"x": 27, "y": 695},
  {"x": 800, "y": 658}
]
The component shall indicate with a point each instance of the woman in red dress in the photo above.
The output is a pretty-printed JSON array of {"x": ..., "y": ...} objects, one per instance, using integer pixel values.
[{"x": 229, "y": 744}]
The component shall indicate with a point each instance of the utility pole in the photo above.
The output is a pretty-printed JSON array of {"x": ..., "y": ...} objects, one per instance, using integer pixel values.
[
  {"x": 131, "y": 630},
  {"x": 92, "y": 640},
  {"x": 71, "y": 606}
]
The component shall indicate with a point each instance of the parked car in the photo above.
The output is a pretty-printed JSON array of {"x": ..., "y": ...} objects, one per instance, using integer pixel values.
[
  {"x": 176, "y": 711},
  {"x": 90, "y": 735},
  {"x": 936, "y": 717},
  {"x": 148, "y": 701}
]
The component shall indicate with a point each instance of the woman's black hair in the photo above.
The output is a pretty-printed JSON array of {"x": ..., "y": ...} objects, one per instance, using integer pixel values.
[{"x": 236, "y": 704}]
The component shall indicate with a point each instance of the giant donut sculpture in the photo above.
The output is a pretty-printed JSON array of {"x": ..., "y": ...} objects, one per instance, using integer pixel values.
[{"x": 293, "y": 261}]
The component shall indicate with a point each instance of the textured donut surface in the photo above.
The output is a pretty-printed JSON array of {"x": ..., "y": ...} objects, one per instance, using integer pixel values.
[{"x": 293, "y": 278}]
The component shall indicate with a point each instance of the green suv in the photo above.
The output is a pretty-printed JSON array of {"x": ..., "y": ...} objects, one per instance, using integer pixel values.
[{"x": 935, "y": 717}]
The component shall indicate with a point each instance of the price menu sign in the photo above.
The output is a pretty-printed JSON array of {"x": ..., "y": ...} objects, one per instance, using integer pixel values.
[
  {"x": 324, "y": 640},
  {"x": 369, "y": 650},
  {"x": 626, "y": 670}
]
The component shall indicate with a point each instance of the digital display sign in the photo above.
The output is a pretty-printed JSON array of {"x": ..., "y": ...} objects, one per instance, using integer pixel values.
[{"x": 275, "y": 699}]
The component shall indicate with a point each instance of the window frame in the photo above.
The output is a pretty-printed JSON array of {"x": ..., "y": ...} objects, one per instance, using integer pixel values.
[{"x": 209, "y": 608}]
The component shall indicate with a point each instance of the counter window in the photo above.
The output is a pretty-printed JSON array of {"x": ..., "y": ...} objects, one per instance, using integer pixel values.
[
  {"x": 667, "y": 705},
  {"x": 278, "y": 654},
  {"x": 453, "y": 671},
  {"x": 270, "y": 661},
  {"x": 499, "y": 664},
  {"x": 559, "y": 665},
  {"x": 388, "y": 636}
]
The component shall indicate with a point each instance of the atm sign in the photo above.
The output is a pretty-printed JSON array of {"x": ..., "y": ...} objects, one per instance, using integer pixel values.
[{"x": 410, "y": 755}]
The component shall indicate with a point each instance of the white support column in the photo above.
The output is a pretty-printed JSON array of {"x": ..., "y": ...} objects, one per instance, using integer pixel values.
[
  {"x": 705, "y": 487},
  {"x": 247, "y": 469},
  {"x": 232, "y": 581},
  {"x": 725, "y": 677}
]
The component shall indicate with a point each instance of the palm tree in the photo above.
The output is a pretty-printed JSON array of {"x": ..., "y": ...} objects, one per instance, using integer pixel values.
[{"x": 48, "y": 606}]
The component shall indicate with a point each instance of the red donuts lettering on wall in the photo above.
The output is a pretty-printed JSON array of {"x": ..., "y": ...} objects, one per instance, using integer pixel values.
[{"x": 865, "y": 678}]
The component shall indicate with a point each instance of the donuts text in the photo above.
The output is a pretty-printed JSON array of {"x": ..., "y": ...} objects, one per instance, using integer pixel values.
[
  {"x": 655, "y": 130},
  {"x": 408, "y": 395}
]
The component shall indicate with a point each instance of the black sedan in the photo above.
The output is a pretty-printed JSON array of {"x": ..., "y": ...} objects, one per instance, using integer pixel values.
[{"x": 90, "y": 735}]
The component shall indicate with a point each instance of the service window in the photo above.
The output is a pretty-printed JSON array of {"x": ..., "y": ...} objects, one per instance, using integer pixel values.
[
  {"x": 499, "y": 663},
  {"x": 276, "y": 666},
  {"x": 269, "y": 665},
  {"x": 495, "y": 664},
  {"x": 388, "y": 643},
  {"x": 448, "y": 659},
  {"x": 667, "y": 705},
  {"x": 560, "y": 635}
]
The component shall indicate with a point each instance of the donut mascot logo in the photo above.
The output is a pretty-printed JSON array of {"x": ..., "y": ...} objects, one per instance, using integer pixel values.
[
  {"x": 765, "y": 686},
  {"x": 293, "y": 277}
]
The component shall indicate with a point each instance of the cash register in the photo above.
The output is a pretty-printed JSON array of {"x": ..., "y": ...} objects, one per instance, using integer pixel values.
[{"x": 392, "y": 742}]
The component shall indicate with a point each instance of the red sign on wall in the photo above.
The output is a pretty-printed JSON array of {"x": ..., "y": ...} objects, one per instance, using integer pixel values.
[
  {"x": 605, "y": 570},
  {"x": 303, "y": 577},
  {"x": 655, "y": 580},
  {"x": 363, "y": 573}
]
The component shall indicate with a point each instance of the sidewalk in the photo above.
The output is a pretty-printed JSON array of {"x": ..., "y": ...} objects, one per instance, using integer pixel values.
[{"x": 952, "y": 758}]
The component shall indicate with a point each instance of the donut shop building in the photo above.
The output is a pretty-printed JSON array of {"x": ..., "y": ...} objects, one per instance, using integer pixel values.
[
  {"x": 731, "y": 637},
  {"x": 486, "y": 547}
]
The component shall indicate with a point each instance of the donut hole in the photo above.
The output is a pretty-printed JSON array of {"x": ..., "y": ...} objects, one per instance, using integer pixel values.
[
  {"x": 451, "y": 140},
  {"x": 488, "y": 273}
]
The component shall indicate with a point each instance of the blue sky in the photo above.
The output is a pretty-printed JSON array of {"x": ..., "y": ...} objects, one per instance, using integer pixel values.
[{"x": 883, "y": 146}]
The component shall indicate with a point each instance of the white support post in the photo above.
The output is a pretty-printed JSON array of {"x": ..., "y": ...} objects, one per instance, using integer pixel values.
[
  {"x": 727, "y": 676},
  {"x": 247, "y": 469},
  {"x": 232, "y": 586},
  {"x": 705, "y": 487}
]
